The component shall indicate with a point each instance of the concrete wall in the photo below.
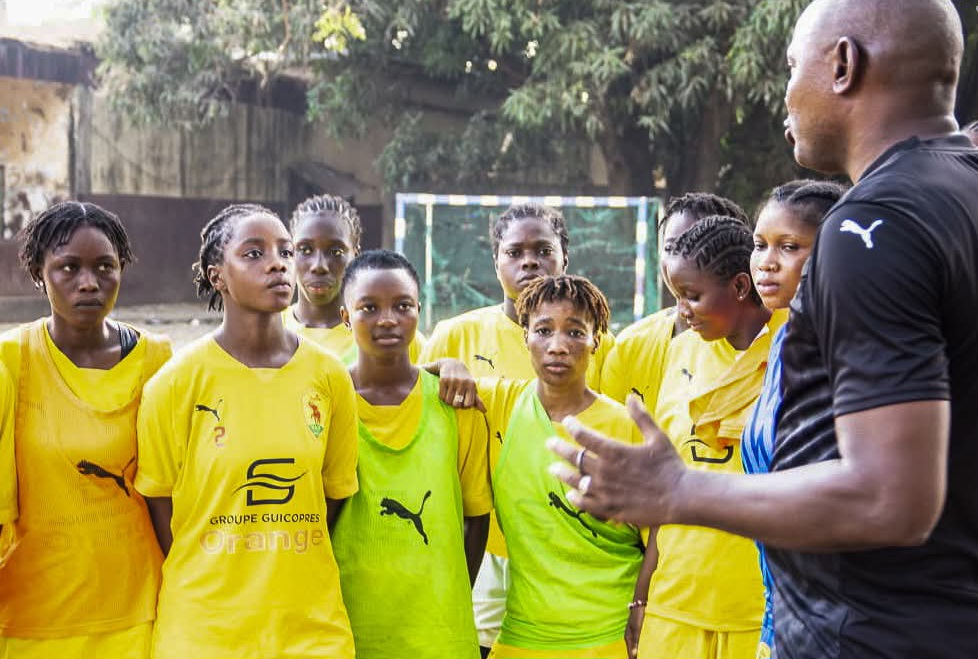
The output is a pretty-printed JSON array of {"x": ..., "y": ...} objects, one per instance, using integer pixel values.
[
  {"x": 35, "y": 120},
  {"x": 250, "y": 154}
]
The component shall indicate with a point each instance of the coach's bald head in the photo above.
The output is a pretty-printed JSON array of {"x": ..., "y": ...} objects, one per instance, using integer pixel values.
[{"x": 868, "y": 73}]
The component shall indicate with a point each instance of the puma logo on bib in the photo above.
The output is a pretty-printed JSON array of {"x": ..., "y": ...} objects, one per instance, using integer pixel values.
[{"x": 394, "y": 507}]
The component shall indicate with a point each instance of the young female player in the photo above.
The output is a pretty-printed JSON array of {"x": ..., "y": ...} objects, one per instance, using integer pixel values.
[
  {"x": 83, "y": 580},
  {"x": 529, "y": 241},
  {"x": 783, "y": 238},
  {"x": 704, "y": 596},
  {"x": 571, "y": 575},
  {"x": 634, "y": 364},
  {"x": 326, "y": 231},
  {"x": 410, "y": 541},
  {"x": 247, "y": 445}
]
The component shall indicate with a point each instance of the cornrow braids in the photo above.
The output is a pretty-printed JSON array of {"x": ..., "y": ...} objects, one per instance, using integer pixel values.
[
  {"x": 214, "y": 238},
  {"x": 552, "y": 216},
  {"x": 56, "y": 225},
  {"x": 721, "y": 246},
  {"x": 330, "y": 204},
  {"x": 577, "y": 290},
  {"x": 701, "y": 205},
  {"x": 378, "y": 259},
  {"x": 809, "y": 199}
]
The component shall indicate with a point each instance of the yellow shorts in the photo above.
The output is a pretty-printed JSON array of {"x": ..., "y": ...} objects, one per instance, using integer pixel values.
[
  {"x": 131, "y": 643},
  {"x": 667, "y": 639},
  {"x": 614, "y": 650}
]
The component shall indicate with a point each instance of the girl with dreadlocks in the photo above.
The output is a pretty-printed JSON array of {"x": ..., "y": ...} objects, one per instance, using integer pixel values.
[
  {"x": 83, "y": 579},
  {"x": 326, "y": 230},
  {"x": 528, "y": 241},
  {"x": 783, "y": 238},
  {"x": 248, "y": 446},
  {"x": 705, "y": 598},
  {"x": 571, "y": 575}
]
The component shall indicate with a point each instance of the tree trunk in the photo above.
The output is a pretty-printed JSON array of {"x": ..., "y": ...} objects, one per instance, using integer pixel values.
[
  {"x": 631, "y": 165},
  {"x": 699, "y": 157}
]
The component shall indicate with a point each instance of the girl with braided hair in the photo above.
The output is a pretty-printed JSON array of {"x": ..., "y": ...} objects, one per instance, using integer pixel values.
[
  {"x": 248, "y": 447},
  {"x": 634, "y": 364},
  {"x": 571, "y": 575},
  {"x": 327, "y": 231},
  {"x": 783, "y": 239},
  {"x": 82, "y": 581},
  {"x": 703, "y": 598}
]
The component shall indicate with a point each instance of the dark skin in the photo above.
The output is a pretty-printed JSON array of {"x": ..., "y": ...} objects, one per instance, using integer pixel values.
[
  {"x": 673, "y": 227},
  {"x": 529, "y": 248},
  {"x": 888, "y": 486},
  {"x": 382, "y": 308},
  {"x": 81, "y": 279},
  {"x": 256, "y": 283},
  {"x": 323, "y": 248}
]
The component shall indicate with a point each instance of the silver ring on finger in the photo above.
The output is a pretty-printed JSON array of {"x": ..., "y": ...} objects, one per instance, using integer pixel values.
[
  {"x": 579, "y": 461},
  {"x": 584, "y": 484}
]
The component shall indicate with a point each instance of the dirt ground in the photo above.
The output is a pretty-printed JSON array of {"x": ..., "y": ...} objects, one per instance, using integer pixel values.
[{"x": 181, "y": 322}]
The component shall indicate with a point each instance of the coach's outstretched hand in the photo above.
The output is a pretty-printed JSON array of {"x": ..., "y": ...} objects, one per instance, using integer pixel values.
[{"x": 635, "y": 484}]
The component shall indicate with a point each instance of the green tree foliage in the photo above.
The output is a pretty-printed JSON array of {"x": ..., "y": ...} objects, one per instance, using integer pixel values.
[{"x": 490, "y": 94}]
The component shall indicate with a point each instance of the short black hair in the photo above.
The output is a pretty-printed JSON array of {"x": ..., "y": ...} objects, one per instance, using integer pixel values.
[
  {"x": 721, "y": 246},
  {"x": 497, "y": 225},
  {"x": 579, "y": 291},
  {"x": 809, "y": 199},
  {"x": 701, "y": 205},
  {"x": 378, "y": 259},
  {"x": 213, "y": 238},
  {"x": 330, "y": 204},
  {"x": 56, "y": 225}
]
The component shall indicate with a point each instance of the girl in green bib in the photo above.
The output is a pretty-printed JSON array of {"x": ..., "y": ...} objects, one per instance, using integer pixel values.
[
  {"x": 571, "y": 574},
  {"x": 410, "y": 541}
]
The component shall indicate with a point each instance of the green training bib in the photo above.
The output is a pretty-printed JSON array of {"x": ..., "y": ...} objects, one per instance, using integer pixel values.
[
  {"x": 399, "y": 543},
  {"x": 572, "y": 576}
]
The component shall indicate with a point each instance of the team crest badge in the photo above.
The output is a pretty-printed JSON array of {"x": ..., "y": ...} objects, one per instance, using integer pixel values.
[{"x": 312, "y": 406}]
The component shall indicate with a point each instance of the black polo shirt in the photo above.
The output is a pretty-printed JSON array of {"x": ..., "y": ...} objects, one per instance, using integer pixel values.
[{"x": 887, "y": 312}]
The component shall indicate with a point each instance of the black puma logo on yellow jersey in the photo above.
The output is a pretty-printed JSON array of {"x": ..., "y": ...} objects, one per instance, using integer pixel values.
[
  {"x": 390, "y": 506},
  {"x": 499, "y": 437},
  {"x": 480, "y": 358},
  {"x": 638, "y": 393},
  {"x": 213, "y": 410},
  {"x": 689, "y": 376},
  {"x": 559, "y": 504},
  {"x": 88, "y": 468}
]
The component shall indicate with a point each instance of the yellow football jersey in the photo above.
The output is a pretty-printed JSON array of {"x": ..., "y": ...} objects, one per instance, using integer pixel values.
[
  {"x": 635, "y": 363},
  {"x": 707, "y": 578},
  {"x": 8, "y": 464},
  {"x": 338, "y": 340},
  {"x": 82, "y": 529},
  {"x": 249, "y": 456}
]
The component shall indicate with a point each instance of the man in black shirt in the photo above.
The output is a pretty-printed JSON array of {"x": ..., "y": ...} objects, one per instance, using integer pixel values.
[{"x": 871, "y": 511}]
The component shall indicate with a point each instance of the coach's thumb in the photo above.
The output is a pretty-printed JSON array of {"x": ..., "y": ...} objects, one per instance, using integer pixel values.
[{"x": 642, "y": 418}]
